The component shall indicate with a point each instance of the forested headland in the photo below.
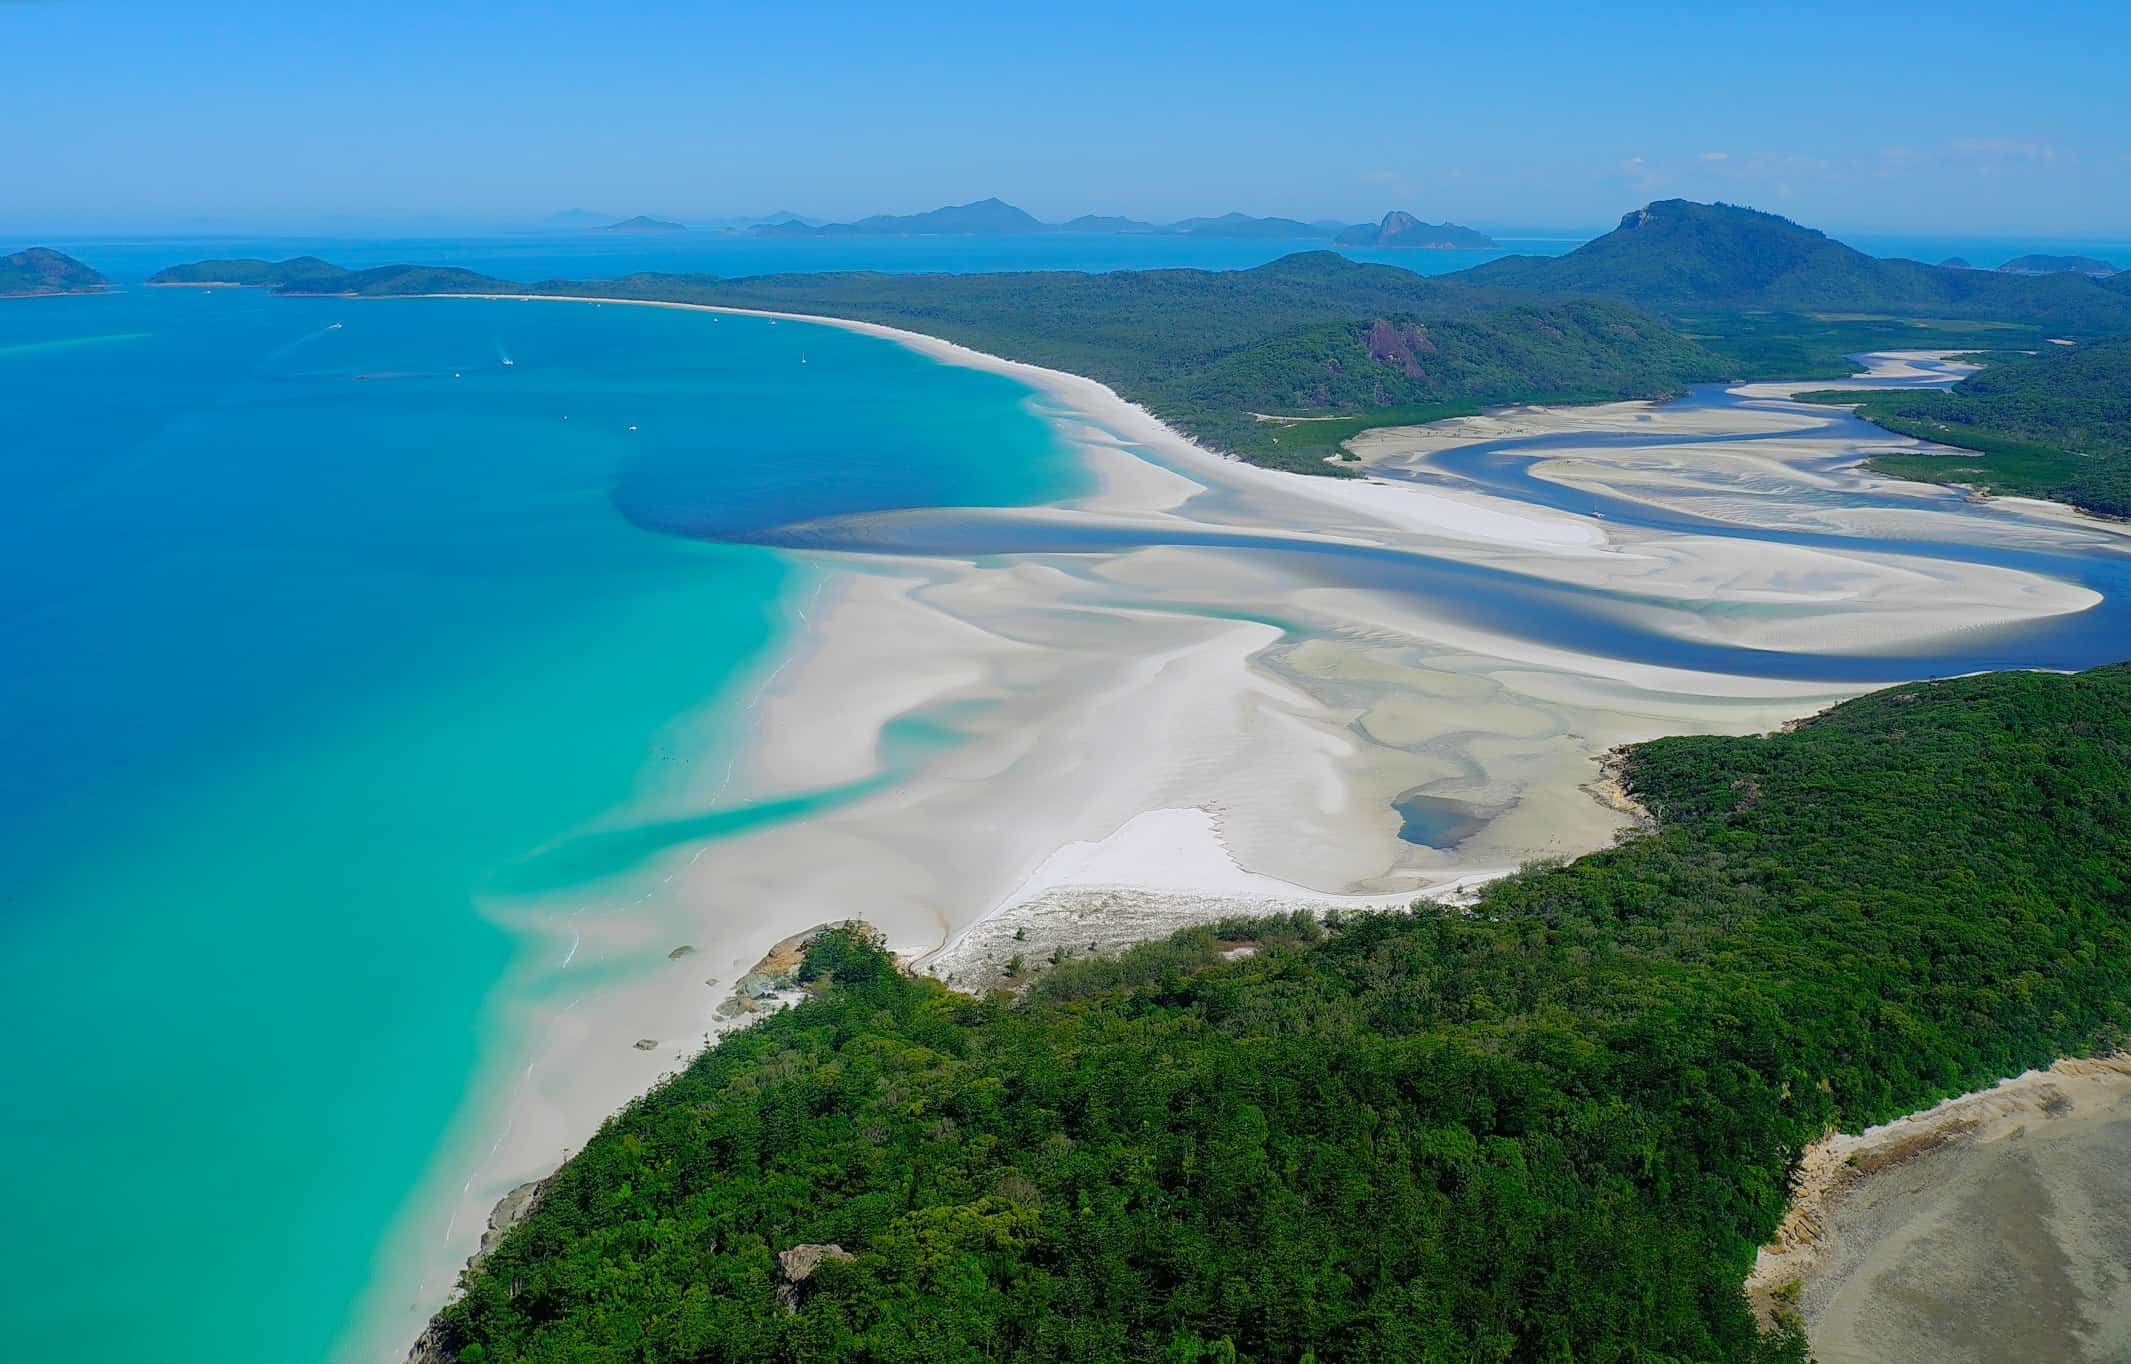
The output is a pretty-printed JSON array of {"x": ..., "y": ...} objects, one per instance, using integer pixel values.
[
  {"x": 2056, "y": 424},
  {"x": 1554, "y": 1125}
]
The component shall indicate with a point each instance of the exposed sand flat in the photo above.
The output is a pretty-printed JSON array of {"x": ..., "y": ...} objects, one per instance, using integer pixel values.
[
  {"x": 1163, "y": 734},
  {"x": 1994, "y": 1227}
]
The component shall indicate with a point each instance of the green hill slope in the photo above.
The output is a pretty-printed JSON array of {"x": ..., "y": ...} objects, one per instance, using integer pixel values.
[{"x": 1555, "y": 1127}]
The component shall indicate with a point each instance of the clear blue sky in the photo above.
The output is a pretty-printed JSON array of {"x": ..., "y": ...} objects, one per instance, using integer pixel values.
[{"x": 1927, "y": 116}]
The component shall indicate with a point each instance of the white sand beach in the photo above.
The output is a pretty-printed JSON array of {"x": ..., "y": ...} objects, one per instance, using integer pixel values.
[{"x": 1174, "y": 732}]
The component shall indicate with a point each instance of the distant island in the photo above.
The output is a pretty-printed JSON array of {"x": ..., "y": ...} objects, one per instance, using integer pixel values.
[
  {"x": 642, "y": 224},
  {"x": 2056, "y": 265},
  {"x": 997, "y": 218},
  {"x": 41, "y": 270},
  {"x": 1399, "y": 229},
  {"x": 246, "y": 273},
  {"x": 1955, "y": 263}
]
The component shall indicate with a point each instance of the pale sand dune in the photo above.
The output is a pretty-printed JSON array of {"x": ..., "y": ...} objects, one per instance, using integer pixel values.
[{"x": 1128, "y": 741}]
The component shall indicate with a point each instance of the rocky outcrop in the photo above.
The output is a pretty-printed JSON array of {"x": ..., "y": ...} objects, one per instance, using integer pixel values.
[
  {"x": 1393, "y": 345},
  {"x": 797, "y": 1265},
  {"x": 432, "y": 1347}
]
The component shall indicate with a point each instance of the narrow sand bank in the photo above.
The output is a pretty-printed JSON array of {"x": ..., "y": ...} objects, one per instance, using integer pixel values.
[{"x": 1134, "y": 739}]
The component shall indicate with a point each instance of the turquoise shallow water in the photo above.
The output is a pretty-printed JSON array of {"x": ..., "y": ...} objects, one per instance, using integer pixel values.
[{"x": 323, "y": 621}]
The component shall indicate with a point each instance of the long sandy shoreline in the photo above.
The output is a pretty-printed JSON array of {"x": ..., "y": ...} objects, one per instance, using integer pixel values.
[{"x": 1134, "y": 740}]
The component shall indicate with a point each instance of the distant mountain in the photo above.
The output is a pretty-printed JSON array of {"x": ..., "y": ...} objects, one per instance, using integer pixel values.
[
  {"x": 576, "y": 220},
  {"x": 41, "y": 270},
  {"x": 2057, "y": 265},
  {"x": 993, "y": 217},
  {"x": 640, "y": 223},
  {"x": 1399, "y": 229},
  {"x": 264, "y": 274},
  {"x": 1955, "y": 263},
  {"x": 1242, "y": 225},
  {"x": 1679, "y": 256},
  {"x": 985, "y": 218},
  {"x": 1107, "y": 225}
]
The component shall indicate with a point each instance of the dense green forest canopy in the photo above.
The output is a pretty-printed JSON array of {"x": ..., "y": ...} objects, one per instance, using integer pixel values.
[
  {"x": 41, "y": 270},
  {"x": 2056, "y": 425},
  {"x": 1554, "y": 1126}
]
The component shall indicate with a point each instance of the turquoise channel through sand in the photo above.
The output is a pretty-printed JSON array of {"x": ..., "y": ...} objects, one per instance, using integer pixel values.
[{"x": 327, "y": 632}]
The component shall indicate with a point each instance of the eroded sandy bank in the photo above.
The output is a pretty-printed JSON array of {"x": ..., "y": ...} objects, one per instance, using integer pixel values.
[{"x": 1992, "y": 1227}]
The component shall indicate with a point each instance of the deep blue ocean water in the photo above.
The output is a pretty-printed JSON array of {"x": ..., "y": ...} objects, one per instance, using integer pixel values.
[{"x": 321, "y": 619}]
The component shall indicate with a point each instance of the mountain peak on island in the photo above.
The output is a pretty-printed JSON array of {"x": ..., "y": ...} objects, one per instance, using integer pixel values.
[
  {"x": 641, "y": 223},
  {"x": 1680, "y": 256},
  {"x": 995, "y": 217},
  {"x": 1401, "y": 229},
  {"x": 983, "y": 218},
  {"x": 41, "y": 270}
]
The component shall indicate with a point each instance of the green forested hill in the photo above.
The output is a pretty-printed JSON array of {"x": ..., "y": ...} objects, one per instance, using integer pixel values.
[
  {"x": 2055, "y": 425},
  {"x": 251, "y": 272},
  {"x": 1554, "y": 1127},
  {"x": 1679, "y": 256},
  {"x": 41, "y": 270}
]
